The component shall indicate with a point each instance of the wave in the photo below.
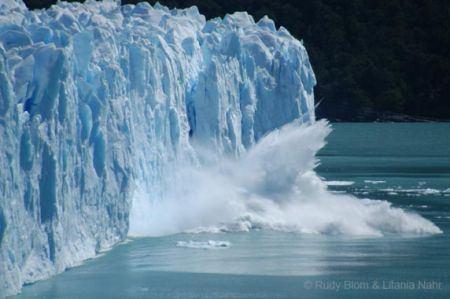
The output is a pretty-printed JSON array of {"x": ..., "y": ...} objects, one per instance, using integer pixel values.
[{"x": 272, "y": 186}]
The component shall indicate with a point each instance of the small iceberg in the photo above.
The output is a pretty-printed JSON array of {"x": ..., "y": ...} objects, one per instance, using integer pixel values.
[
  {"x": 210, "y": 244},
  {"x": 339, "y": 183}
]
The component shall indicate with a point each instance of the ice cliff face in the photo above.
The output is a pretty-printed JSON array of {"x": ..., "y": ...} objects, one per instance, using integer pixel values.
[{"x": 95, "y": 97}]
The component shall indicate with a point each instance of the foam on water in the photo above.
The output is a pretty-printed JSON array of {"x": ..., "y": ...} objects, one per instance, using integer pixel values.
[
  {"x": 413, "y": 191},
  {"x": 374, "y": 182},
  {"x": 272, "y": 186}
]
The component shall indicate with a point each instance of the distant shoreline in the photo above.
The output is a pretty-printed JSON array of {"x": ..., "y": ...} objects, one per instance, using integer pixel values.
[{"x": 387, "y": 117}]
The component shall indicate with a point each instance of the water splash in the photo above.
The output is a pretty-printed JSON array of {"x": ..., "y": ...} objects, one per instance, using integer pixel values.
[{"x": 272, "y": 186}]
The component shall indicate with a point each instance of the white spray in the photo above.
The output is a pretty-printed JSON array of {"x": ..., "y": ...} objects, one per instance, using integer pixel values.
[{"x": 272, "y": 186}]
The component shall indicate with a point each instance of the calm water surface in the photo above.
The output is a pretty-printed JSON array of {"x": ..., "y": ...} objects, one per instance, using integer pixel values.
[{"x": 406, "y": 164}]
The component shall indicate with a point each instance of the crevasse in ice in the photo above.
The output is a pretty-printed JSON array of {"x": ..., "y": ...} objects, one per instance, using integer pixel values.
[{"x": 95, "y": 97}]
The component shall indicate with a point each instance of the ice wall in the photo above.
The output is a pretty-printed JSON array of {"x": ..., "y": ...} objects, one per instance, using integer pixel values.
[{"x": 96, "y": 97}]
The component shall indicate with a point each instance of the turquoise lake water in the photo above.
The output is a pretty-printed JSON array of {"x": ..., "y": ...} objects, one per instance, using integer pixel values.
[{"x": 406, "y": 164}]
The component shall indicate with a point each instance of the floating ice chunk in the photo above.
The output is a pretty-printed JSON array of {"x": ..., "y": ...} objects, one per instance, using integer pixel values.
[
  {"x": 204, "y": 244},
  {"x": 339, "y": 183}
]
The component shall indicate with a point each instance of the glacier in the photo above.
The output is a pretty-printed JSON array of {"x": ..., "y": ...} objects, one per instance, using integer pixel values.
[
  {"x": 118, "y": 120},
  {"x": 97, "y": 96}
]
